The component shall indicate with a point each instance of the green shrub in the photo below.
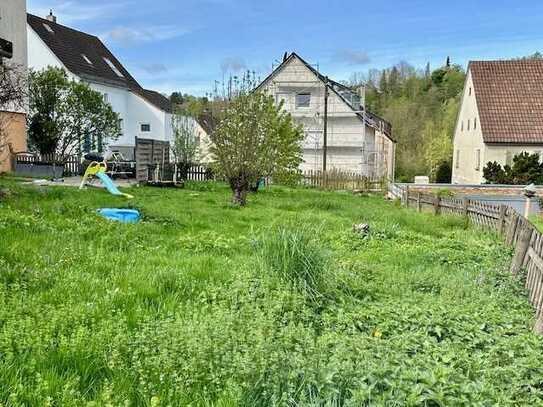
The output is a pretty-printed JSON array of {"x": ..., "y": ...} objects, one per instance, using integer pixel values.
[{"x": 293, "y": 254}]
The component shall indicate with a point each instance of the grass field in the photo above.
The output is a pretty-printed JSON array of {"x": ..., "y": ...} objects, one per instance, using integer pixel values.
[{"x": 279, "y": 303}]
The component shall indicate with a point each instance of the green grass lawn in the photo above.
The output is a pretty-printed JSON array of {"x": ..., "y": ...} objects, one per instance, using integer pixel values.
[{"x": 279, "y": 303}]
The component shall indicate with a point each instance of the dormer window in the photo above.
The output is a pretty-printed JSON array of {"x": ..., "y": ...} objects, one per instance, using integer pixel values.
[
  {"x": 48, "y": 28},
  {"x": 113, "y": 68},
  {"x": 87, "y": 60}
]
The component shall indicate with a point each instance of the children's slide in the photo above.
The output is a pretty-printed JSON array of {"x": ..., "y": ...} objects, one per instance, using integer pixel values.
[
  {"x": 98, "y": 170},
  {"x": 110, "y": 186}
]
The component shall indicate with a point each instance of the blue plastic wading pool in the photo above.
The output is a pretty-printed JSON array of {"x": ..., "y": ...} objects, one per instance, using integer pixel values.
[{"x": 121, "y": 215}]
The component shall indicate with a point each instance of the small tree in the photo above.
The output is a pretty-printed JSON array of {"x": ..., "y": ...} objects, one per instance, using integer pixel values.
[
  {"x": 255, "y": 139},
  {"x": 67, "y": 116},
  {"x": 185, "y": 146},
  {"x": 13, "y": 90}
]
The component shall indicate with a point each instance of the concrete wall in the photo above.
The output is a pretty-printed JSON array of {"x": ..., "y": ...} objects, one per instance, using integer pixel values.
[
  {"x": 13, "y": 28},
  {"x": 350, "y": 148},
  {"x": 468, "y": 142}
]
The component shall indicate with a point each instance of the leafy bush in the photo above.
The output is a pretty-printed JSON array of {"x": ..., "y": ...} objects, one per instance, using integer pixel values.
[
  {"x": 444, "y": 173},
  {"x": 526, "y": 169}
]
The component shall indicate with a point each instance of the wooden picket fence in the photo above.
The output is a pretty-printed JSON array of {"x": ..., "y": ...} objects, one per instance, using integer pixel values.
[
  {"x": 72, "y": 164},
  {"x": 518, "y": 233},
  {"x": 336, "y": 180}
]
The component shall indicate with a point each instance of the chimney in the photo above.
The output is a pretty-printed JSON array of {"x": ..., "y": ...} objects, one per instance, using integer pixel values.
[{"x": 51, "y": 17}]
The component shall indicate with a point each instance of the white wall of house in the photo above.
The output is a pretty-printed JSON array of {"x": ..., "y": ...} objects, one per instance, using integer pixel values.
[
  {"x": 132, "y": 108},
  {"x": 470, "y": 151},
  {"x": 350, "y": 148}
]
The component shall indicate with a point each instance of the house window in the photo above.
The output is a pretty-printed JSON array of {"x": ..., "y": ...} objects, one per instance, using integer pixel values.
[
  {"x": 113, "y": 68},
  {"x": 470, "y": 91},
  {"x": 121, "y": 125},
  {"x": 475, "y": 124},
  {"x": 87, "y": 60},
  {"x": 48, "y": 28},
  {"x": 303, "y": 100},
  {"x": 462, "y": 126},
  {"x": 477, "y": 160},
  {"x": 106, "y": 97},
  {"x": 457, "y": 159},
  {"x": 509, "y": 158},
  {"x": 469, "y": 124},
  {"x": 145, "y": 128}
]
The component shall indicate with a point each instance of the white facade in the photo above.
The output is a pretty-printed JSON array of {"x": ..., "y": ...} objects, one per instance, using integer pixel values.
[
  {"x": 351, "y": 146},
  {"x": 471, "y": 153},
  {"x": 139, "y": 118}
]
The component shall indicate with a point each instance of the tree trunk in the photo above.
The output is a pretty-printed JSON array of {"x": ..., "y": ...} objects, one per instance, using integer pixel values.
[{"x": 240, "y": 188}]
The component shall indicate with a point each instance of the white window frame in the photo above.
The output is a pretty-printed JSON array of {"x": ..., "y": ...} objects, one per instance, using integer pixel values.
[
  {"x": 298, "y": 106},
  {"x": 87, "y": 60},
  {"x": 478, "y": 160},
  {"x": 145, "y": 124},
  {"x": 48, "y": 28},
  {"x": 113, "y": 67}
]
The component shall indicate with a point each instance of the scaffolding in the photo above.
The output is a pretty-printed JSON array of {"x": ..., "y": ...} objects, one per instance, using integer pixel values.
[{"x": 365, "y": 152}]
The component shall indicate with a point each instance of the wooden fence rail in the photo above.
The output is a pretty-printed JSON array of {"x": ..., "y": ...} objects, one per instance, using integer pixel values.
[
  {"x": 517, "y": 231},
  {"x": 336, "y": 180}
]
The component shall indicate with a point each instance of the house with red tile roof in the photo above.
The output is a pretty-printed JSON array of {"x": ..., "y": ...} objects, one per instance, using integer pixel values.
[{"x": 501, "y": 115}]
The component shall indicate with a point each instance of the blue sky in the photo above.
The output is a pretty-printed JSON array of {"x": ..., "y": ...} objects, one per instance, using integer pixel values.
[{"x": 188, "y": 44}]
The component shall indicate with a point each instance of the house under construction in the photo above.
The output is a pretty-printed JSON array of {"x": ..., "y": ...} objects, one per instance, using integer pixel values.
[{"x": 339, "y": 133}]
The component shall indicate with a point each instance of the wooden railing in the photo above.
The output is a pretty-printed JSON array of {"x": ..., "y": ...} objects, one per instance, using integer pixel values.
[
  {"x": 336, "y": 180},
  {"x": 517, "y": 231}
]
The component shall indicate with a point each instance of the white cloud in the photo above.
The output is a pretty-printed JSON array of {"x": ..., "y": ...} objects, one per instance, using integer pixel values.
[
  {"x": 130, "y": 36},
  {"x": 353, "y": 57},
  {"x": 70, "y": 11},
  {"x": 154, "y": 69},
  {"x": 233, "y": 64}
]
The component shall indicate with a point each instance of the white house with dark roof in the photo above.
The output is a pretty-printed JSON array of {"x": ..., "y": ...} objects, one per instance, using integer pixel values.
[
  {"x": 357, "y": 140},
  {"x": 144, "y": 113},
  {"x": 501, "y": 115}
]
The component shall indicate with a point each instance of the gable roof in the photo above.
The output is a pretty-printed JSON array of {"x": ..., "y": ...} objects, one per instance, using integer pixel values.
[
  {"x": 346, "y": 94},
  {"x": 509, "y": 97},
  {"x": 86, "y": 56}
]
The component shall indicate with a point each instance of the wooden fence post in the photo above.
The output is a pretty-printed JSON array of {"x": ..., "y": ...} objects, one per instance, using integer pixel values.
[
  {"x": 510, "y": 237},
  {"x": 407, "y": 196},
  {"x": 437, "y": 205},
  {"x": 465, "y": 207},
  {"x": 419, "y": 203},
  {"x": 501, "y": 220},
  {"x": 538, "y": 327},
  {"x": 521, "y": 251}
]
